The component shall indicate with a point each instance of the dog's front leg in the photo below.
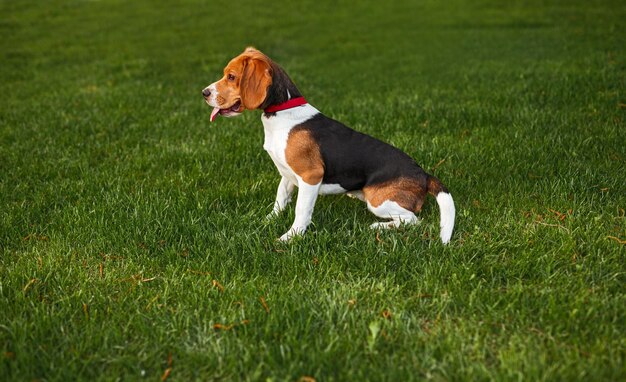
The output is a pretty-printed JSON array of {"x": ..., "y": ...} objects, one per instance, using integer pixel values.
[
  {"x": 283, "y": 197},
  {"x": 307, "y": 195}
]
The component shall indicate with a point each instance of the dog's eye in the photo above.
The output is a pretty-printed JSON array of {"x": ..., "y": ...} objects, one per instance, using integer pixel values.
[{"x": 231, "y": 77}]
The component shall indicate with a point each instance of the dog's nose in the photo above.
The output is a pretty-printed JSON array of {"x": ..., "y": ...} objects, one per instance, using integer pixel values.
[{"x": 206, "y": 92}]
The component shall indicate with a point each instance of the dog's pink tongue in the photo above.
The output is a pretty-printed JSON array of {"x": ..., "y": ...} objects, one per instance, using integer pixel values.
[{"x": 214, "y": 113}]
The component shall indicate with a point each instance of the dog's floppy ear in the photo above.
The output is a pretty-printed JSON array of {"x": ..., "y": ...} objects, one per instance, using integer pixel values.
[{"x": 256, "y": 78}]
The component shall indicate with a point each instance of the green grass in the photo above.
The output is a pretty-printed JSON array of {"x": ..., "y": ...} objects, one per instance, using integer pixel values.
[{"x": 120, "y": 204}]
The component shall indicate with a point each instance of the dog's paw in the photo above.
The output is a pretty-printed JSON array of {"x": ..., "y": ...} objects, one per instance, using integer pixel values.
[
  {"x": 293, "y": 232},
  {"x": 394, "y": 224},
  {"x": 271, "y": 216},
  {"x": 285, "y": 238},
  {"x": 383, "y": 225}
]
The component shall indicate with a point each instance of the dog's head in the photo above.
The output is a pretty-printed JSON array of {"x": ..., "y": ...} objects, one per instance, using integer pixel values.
[{"x": 244, "y": 86}]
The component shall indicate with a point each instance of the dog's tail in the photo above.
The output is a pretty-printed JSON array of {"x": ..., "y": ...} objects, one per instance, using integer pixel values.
[{"x": 446, "y": 207}]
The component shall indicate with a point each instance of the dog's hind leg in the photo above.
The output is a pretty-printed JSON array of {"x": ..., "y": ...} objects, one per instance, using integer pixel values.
[
  {"x": 397, "y": 199},
  {"x": 392, "y": 210}
]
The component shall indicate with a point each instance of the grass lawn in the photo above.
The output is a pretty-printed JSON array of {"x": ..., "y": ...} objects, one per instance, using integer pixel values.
[{"x": 132, "y": 233}]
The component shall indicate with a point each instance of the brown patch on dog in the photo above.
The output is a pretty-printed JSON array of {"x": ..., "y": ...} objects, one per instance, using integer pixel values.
[
  {"x": 257, "y": 77},
  {"x": 407, "y": 192},
  {"x": 303, "y": 155}
]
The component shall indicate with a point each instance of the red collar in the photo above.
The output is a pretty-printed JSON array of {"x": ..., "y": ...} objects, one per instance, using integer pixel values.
[{"x": 298, "y": 101}]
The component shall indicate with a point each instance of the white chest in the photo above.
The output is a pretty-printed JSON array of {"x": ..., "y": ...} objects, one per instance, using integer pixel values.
[
  {"x": 275, "y": 144},
  {"x": 277, "y": 130}
]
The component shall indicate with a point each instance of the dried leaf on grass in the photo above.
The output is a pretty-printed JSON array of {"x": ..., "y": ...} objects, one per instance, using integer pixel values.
[
  {"x": 29, "y": 284},
  {"x": 34, "y": 236},
  {"x": 231, "y": 326},
  {"x": 378, "y": 239},
  {"x": 138, "y": 278},
  {"x": 432, "y": 169},
  {"x": 218, "y": 285},
  {"x": 166, "y": 374},
  {"x": 617, "y": 239},
  {"x": 167, "y": 371},
  {"x": 264, "y": 303}
]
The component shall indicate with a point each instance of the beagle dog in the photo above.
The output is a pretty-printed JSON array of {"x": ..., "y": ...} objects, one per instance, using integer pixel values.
[{"x": 320, "y": 155}]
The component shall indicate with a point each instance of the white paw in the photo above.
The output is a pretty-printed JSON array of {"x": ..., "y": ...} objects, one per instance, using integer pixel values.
[
  {"x": 380, "y": 225},
  {"x": 293, "y": 232},
  {"x": 356, "y": 195},
  {"x": 394, "y": 223},
  {"x": 271, "y": 216}
]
